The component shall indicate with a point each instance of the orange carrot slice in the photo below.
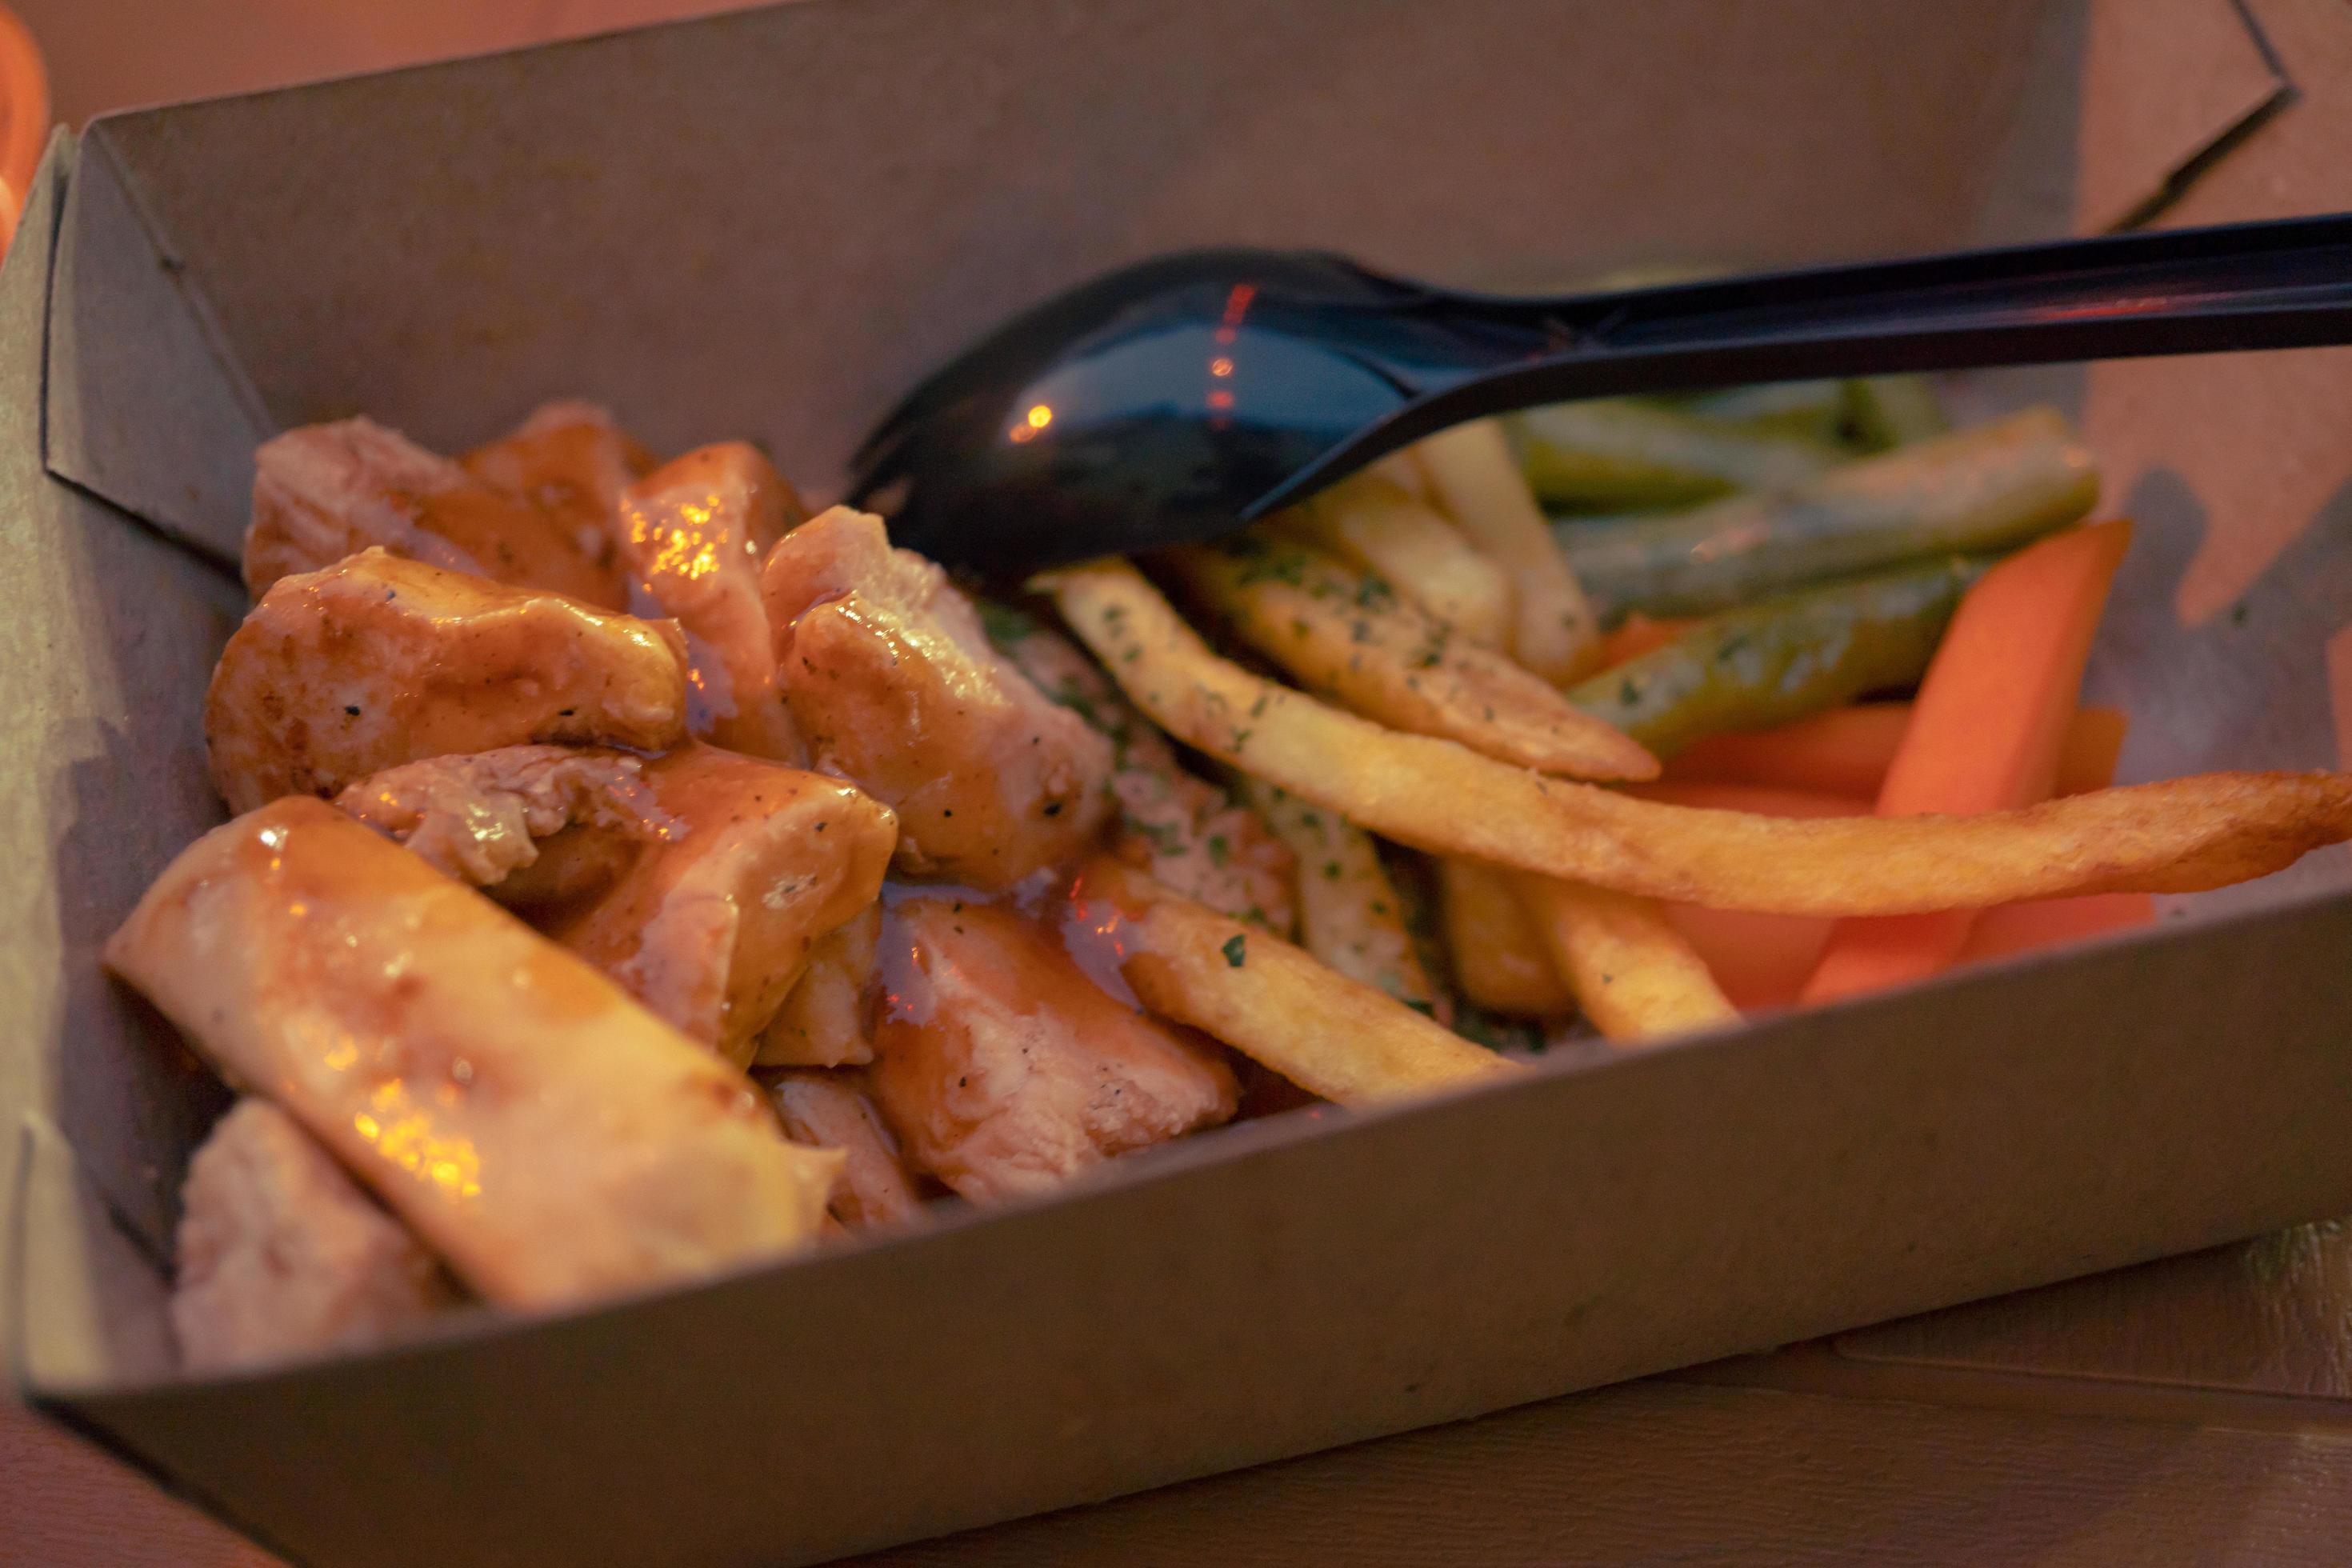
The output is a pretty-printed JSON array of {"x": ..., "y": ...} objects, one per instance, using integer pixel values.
[
  {"x": 2050, "y": 923},
  {"x": 1986, "y": 732},
  {"x": 1760, "y": 961},
  {"x": 1847, "y": 751}
]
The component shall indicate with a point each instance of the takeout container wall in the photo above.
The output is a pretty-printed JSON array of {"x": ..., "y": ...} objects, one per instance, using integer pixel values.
[{"x": 767, "y": 224}]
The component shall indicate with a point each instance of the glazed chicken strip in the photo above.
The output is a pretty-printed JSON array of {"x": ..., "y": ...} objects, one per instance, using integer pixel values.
[
  {"x": 1190, "y": 834},
  {"x": 325, "y": 491},
  {"x": 823, "y": 1021},
  {"x": 694, "y": 532},
  {"x": 552, "y": 1140},
  {"x": 830, "y": 1111},
  {"x": 376, "y": 661},
  {"x": 480, "y": 818},
  {"x": 281, "y": 1254},
  {"x": 894, "y": 684},
  {"x": 1004, "y": 1069},
  {"x": 711, "y": 926},
  {"x": 569, "y": 460}
]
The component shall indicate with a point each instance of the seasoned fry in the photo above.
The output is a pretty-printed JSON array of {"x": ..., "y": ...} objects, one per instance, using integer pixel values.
[
  {"x": 1479, "y": 486},
  {"x": 1347, "y": 634},
  {"x": 1500, "y": 960},
  {"x": 2178, "y": 836},
  {"x": 1265, "y": 998},
  {"x": 1634, "y": 974},
  {"x": 377, "y": 660},
  {"x": 1185, "y": 831},
  {"x": 552, "y": 1140},
  {"x": 1379, "y": 526},
  {"x": 1350, "y": 915}
]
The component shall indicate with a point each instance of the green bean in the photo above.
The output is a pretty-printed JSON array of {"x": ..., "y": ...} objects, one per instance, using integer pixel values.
[
  {"x": 1809, "y": 410},
  {"x": 1886, "y": 411},
  {"x": 1783, "y": 658},
  {"x": 1989, "y": 488},
  {"x": 1632, "y": 452}
]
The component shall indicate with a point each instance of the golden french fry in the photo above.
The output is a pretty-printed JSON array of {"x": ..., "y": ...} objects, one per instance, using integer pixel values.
[
  {"x": 1634, "y": 974},
  {"x": 1500, "y": 961},
  {"x": 1274, "y": 1002},
  {"x": 2178, "y": 836},
  {"x": 1346, "y": 634},
  {"x": 1477, "y": 483},
  {"x": 1402, "y": 469},
  {"x": 1379, "y": 526},
  {"x": 1350, "y": 915}
]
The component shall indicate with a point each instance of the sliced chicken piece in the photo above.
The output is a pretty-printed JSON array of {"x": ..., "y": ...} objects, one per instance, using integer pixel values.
[
  {"x": 1004, "y": 1069},
  {"x": 822, "y": 1021},
  {"x": 481, "y": 818},
  {"x": 377, "y": 661},
  {"x": 1186, "y": 832},
  {"x": 571, "y": 461},
  {"x": 281, "y": 1254},
  {"x": 693, "y": 533},
  {"x": 325, "y": 491},
  {"x": 711, "y": 927},
  {"x": 895, "y": 685},
  {"x": 549, "y": 1138},
  {"x": 830, "y": 1111}
]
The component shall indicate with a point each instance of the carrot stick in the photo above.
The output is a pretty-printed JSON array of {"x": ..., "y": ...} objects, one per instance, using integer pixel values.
[
  {"x": 1986, "y": 732},
  {"x": 1759, "y": 961},
  {"x": 2050, "y": 922},
  {"x": 1847, "y": 751},
  {"x": 1637, "y": 634},
  {"x": 2094, "y": 742}
]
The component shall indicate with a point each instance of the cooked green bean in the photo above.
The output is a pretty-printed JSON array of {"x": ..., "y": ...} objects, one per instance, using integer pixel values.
[
  {"x": 1783, "y": 658},
  {"x": 1809, "y": 410},
  {"x": 1886, "y": 411},
  {"x": 1633, "y": 452},
  {"x": 1989, "y": 488}
]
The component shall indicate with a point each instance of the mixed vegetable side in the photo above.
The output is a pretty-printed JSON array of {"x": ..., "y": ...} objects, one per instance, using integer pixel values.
[{"x": 636, "y": 876}]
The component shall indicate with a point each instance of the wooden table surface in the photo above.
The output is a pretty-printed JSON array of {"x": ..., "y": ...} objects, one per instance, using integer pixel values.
[{"x": 2195, "y": 1410}]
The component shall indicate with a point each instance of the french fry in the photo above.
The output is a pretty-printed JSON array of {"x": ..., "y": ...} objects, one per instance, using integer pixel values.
[
  {"x": 1350, "y": 915},
  {"x": 1478, "y": 484},
  {"x": 1500, "y": 960},
  {"x": 1634, "y": 974},
  {"x": 1347, "y": 634},
  {"x": 1380, "y": 526},
  {"x": 2182, "y": 836},
  {"x": 1275, "y": 1003}
]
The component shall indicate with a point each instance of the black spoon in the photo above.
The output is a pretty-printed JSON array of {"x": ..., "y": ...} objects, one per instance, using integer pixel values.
[{"x": 1177, "y": 399}]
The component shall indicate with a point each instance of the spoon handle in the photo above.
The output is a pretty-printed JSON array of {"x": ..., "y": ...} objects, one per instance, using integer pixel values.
[{"x": 2284, "y": 284}]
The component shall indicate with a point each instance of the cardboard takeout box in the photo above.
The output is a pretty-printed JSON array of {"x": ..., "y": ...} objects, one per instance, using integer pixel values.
[{"x": 768, "y": 225}]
